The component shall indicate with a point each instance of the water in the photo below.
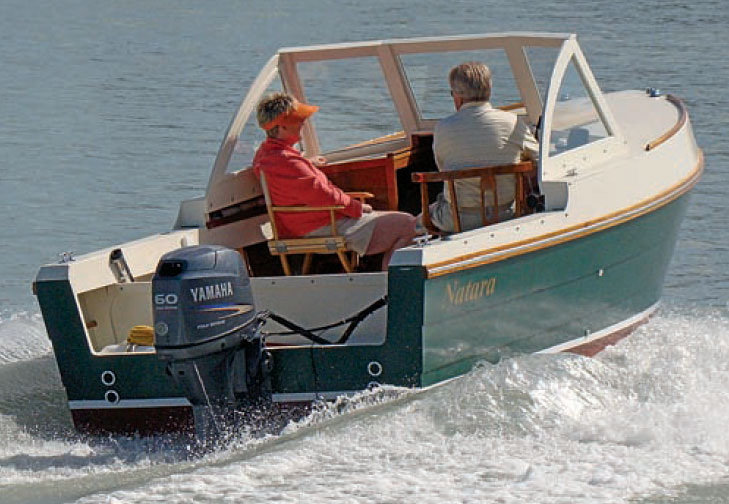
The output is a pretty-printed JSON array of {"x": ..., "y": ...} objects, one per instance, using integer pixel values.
[{"x": 112, "y": 113}]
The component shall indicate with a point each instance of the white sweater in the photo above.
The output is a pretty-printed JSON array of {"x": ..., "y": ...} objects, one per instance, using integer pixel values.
[{"x": 480, "y": 135}]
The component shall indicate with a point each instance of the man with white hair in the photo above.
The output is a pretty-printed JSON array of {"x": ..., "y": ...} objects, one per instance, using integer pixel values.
[{"x": 477, "y": 135}]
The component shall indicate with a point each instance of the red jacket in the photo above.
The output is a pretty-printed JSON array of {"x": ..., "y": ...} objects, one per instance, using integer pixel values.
[{"x": 293, "y": 180}]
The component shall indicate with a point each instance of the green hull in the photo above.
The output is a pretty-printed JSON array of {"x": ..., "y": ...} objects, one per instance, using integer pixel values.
[
  {"x": 437, "y": 327},
  {"x": 549, "y": 297}
]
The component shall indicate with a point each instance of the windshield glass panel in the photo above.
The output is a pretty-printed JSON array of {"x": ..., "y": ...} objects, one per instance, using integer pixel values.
[
  {"x": 354, "y": 103},
  {"x": 575, "y": 121},
  {"x": 427, "y": 75}
]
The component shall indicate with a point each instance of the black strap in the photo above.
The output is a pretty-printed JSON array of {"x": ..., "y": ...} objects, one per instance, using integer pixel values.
[
  {"x": 359, "y": 317},
  {"x": 353, "y": 322},
  {"x": 298, "y": 329}
]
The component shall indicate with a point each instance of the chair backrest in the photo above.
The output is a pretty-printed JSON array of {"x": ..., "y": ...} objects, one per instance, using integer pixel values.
[
  {"x": 332, "y": 244},
  {"x": 487, "y": 176},
  {"x": 269, "y": 205}
]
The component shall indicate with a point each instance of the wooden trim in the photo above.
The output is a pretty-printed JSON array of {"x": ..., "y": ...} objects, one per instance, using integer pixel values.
[
  {"x": 454, "y": 205},
  {"x": 399, "y": 135},
  {"x": 303, "y": 208},
  {"x": 333, "y": 221},
  {"x": 360, "y": 195},
  {"x": 307, "y": 242},
  {"x": 425, "y": 208},
  {"x": 357, "y": 164},
  {"x": 269, "y": 205},
  {"x": 385, "y": 166},
  {"x": 345, "y": 262},
  {"x": 285, "y": 264},
  {"x": 307, "y": 263},
  {"x": 521, "y": 167},
  {"x": 487, "y": 176},
  {"x": 392, "y": 163},
  {"x": 308, "y": 246},
  {"x": 512, "y": 106},
  {"x": 482, "y": 187},
  {"x": 572, "y": 233},
  {"x": 682, "y": 118}
]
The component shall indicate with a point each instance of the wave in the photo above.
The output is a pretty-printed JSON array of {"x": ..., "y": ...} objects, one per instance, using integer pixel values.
[
  {"x": 22, "y": 337},
  {"x": 644, "y": 418}
]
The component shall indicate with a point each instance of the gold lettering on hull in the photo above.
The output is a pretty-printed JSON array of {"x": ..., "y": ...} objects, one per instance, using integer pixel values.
[{"x": 472, "y": 291}]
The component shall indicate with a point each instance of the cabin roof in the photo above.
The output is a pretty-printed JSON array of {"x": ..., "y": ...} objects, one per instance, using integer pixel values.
[{"x": 427, "y": 43}]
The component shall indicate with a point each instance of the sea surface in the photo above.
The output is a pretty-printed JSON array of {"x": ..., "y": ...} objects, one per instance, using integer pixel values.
[{"x": 112, "y": 112}]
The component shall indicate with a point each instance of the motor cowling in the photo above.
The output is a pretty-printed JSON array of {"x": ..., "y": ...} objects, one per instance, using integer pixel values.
[{"x": 207, "y": 328}]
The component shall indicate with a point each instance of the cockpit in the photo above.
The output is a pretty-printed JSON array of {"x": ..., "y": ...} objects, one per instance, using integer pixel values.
[{"x": 379, "y": 104}]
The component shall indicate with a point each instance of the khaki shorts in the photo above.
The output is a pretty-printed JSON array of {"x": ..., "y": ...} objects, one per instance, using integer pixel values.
[
  {"x": 442, "y": 217},
  {"x": 357, "y": 232}
]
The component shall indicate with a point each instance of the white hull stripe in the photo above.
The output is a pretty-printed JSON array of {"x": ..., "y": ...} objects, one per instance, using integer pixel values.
[
  {"x": 164, "y": 402},
  {"x": 183, "y": 402},
  {"x": 602, "y": 333},
  {"x": 312, "y": 396}
]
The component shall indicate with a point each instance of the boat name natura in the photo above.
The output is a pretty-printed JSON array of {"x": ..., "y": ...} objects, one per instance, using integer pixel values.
[
  {"x": 210, "y": 292},
  {"x": 472, "y": 291}
]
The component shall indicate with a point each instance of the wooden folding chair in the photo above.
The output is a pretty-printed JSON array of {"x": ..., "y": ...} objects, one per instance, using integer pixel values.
[
  {"x": 487, "y": 176},
  {"x": 332, "y": 244}
]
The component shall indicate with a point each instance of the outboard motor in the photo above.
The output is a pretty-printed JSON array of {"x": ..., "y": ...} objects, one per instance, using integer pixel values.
[{"x": 207, "y": 329}]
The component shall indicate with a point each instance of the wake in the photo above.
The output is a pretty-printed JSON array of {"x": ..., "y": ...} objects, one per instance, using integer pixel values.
[{"x": 642, "y": 418}]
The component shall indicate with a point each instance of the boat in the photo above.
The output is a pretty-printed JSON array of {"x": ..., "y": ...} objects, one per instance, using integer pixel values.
[{"x": 578, "y": 267}]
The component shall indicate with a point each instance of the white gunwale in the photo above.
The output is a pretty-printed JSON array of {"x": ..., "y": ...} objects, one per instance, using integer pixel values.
[{"x": 567, "y": 234}]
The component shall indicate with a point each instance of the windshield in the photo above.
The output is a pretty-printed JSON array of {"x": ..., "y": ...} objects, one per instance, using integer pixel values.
[
  {"x": 374, "y": 96},
  {"x": 354, "y": 103},
  {"x": 427, "y": 76}
]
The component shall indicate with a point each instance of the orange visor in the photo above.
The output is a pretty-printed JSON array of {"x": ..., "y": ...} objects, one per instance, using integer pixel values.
[{"x": 299, "y": 113}]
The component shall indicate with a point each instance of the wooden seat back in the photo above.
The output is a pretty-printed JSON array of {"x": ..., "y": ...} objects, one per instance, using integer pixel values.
[
  {"x": 487, "y": 175},
  {"x": 332, "y": 244}
]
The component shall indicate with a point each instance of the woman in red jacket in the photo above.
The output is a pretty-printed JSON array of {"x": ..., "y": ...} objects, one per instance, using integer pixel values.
[{"x": 294, "y": 180}]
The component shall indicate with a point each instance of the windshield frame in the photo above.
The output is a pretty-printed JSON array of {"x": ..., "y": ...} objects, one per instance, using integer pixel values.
[{"x": 389, "y": 53}]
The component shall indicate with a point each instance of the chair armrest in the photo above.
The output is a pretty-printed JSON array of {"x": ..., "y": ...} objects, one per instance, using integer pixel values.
[
  {"x": 522, "y": 167},
  {"x": 361, "y": 196},
  {"x": 301, "y": 209},
  {"x": 306, "y": 208},
  {"x": 487, "y": 175}
]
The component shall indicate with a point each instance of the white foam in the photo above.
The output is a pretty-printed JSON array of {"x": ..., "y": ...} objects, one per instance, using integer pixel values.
[
  {"x": 22, "y": 337},
  {"x": 640, "y": 419}
]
